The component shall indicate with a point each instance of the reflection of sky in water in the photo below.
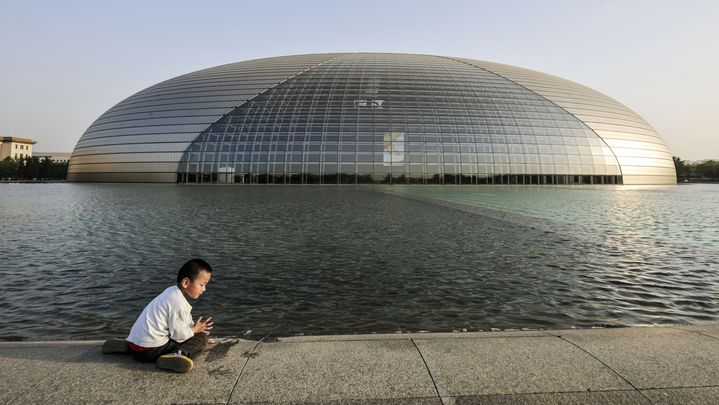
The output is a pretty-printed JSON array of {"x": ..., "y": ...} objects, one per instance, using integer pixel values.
[
  {"x": 684, "y": 213},
  {"x": 82, "y": 260}
]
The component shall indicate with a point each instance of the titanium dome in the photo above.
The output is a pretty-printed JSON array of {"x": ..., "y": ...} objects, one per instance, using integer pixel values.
[{"x": 371, "y": 118}]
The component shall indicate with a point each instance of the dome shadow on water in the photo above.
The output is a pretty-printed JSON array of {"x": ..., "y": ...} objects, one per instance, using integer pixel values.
[{"x": 81, "y": 261}]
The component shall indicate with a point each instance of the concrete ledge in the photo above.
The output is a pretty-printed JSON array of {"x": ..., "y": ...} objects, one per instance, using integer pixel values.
[{"x": 640, "y": 365}]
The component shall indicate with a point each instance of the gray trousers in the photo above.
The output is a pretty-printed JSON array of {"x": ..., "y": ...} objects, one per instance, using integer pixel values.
[{"x": 190, "y": 348}]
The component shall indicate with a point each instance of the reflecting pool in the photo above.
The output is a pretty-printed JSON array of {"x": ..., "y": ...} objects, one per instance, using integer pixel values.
[{"x": 82, "y": 260}]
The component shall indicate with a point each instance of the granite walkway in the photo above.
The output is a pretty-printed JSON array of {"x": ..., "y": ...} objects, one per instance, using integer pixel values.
[{"x": 640, "y": 365}]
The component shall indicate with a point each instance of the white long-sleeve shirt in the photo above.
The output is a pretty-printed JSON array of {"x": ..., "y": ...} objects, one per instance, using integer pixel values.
[{"x": 166, "y": 317}]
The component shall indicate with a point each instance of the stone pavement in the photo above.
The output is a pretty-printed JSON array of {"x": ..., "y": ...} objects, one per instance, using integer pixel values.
[{"x": 640, "y": 365}]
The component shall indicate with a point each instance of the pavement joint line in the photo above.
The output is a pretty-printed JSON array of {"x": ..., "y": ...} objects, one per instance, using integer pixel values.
[
  {"x": 426, "y": 366},
  {"x": 607, "y": 366},
  {"x": 682, "y": 387},
  {"x": 697, "y": 332},
  {"x": 30, "y": 343},
  {"x": 482, "y": 337},
  {"x": 232, "y": 391},
  {"x": 544, "y": 393},
  {"x": 42, "y": 380},
  {"x": 418, "y": 337}
]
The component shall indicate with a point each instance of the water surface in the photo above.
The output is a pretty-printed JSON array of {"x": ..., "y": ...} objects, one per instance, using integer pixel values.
[{"x": 82, "y": 260}]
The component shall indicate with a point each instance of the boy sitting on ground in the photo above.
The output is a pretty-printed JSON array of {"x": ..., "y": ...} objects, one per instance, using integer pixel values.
[{"x": 165, "y": 332}]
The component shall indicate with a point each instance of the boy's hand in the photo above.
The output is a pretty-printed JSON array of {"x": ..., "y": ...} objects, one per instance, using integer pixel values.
[{"x": 203, "y": 326}]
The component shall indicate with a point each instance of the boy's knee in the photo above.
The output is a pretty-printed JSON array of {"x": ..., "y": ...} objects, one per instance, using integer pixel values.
[
  {"x": 195, "y": 344},
  {"x": 202, "y": 338}
]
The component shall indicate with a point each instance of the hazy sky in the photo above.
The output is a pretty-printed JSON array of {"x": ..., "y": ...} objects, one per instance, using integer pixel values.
[{"x": 63, "y": 63}]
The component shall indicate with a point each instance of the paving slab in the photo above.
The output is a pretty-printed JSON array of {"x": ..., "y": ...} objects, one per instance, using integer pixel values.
[
  {"x": 466, "y": 367},
  {"x": 487, "y": 334},
  {"x": 384, "y": 401},
  {"x": 654, "y": 357},
  {"x": 416, "y": 335},
  {"x": 92, "y": 377},
  {"x": 561, "y": 398},
  {"x": 49, "y": 343},
  {"x": 312, "y": 372},
  {"x": 342, "y": 338},
  {"x": 707, "y": 329},
  {"x": 24, "y": 368},
  {"x": 685, "y": 396}
]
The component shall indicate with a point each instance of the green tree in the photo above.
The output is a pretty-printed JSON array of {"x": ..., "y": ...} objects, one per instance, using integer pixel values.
[
  {"x": 683, "y": 170},
  {"x": 8, "y": 168},
  {"x": 32, "y": 168},
  {"x": 58, "y": 171},
  {"x": 20, "y": 173},
  {"x": 45, "y": 168},
  {"x": 708, "y": 170}
]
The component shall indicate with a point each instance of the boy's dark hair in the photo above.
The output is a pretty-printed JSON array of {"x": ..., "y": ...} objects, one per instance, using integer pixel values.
[{"x": 192, "y": 268}]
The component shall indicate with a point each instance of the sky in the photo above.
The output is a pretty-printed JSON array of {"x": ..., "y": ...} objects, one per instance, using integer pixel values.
[{"x": 64, "y": 63}]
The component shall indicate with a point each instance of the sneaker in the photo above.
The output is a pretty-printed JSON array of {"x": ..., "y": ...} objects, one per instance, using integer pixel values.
[
  {"x": 115, "y": 346},
  {"x": 175, "y": 362}
]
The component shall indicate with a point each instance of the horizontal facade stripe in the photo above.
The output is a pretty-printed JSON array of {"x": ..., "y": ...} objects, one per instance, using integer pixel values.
[
  {"x": 120, "y": 177},
  {"x": 610, "y": 136},
  {"x": 604, "y": 115},
  {"x": 210, "y": 112},
  {"x": 649, "y": 180},
  {"x": 135, "y": 139},
  {"x": 189, "y": 106},
  {"x": 595, "y": 118},
  {"x": 648, "y": 171},
  {"x": 136, "y": 157},
  {"x": 603, "y": 126},
  {"x": 128, "y": 167},
  {"x": 198, "y": 95},
  {"x": 213, "y": 100},
  {"x": 231, "y": 88},
  {"x": 147, "y": 130},
  {"x": 132, "y": 148},
  {"x": 154, "y": 122},
  {"x": 645, "y": 152},
  {"x": 630, "y": 144}
]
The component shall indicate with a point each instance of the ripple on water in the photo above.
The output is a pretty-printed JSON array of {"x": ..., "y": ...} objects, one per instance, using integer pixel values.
[{"x": 308, "y": 260}]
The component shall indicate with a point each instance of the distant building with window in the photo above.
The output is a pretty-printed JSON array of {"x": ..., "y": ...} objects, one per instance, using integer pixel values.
[
  {"x": 15, "y": 148},
  {"x": 58, "y": 157}
]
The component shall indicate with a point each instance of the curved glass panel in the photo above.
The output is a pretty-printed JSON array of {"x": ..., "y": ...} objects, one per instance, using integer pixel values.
[
  {"x": 612, "y": 121},
  {"x": 388, "y": 118}
]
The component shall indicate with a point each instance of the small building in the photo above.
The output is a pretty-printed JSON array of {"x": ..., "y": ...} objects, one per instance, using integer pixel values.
[
  {"x": 57, "y": 157},
  {"x": 15, "y": 148}
]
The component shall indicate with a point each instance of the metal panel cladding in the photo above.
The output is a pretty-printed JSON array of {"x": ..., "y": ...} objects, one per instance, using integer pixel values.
[
  {"x": 641, "y": 152},
  {"x": 142, "y": 138},
  {"x": 371, "y": 118}
]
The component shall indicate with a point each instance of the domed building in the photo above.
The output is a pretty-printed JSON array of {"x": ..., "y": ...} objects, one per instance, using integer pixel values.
[{"x": 350, "y": 118}]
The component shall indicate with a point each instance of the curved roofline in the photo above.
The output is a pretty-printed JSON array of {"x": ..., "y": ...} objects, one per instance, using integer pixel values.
[{"x": 156, "y": 114}]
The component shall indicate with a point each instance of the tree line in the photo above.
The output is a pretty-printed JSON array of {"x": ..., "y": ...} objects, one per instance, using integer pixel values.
[
  {"x": 696, "y": 172},
  {"x": 32, "y": 168}
]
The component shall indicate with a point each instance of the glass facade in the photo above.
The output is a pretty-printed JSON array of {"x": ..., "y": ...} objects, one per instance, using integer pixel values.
[
  {"x": 354, "y": 118},
  {"x": 640, "y": 152}
]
